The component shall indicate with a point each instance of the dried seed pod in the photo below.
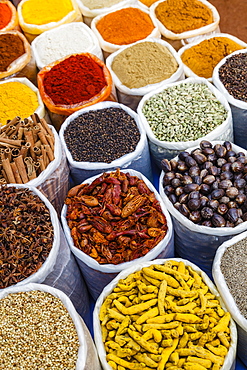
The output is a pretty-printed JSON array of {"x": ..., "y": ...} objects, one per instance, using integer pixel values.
[
  {"x": 175, "y": 183},
  {"x": 240, "y": 199},
  {"x": 195, "y": 216},
  {"x": 237, "y": 166},
  {"x": 194, "y": 171},
  {"x": 212, "y": 158},
  {"x": 232, "y": 159},
  {"x": 190, "y": 161},
  {"x": 226, "y": 167},
  {"x": 177, "y": 205},
  {"x": 230, "y": 153},
  {"x": 194, "y": 195},
  {"x": 165, "y": 165},
  {"x": 225, "y": 184},
  {"x": 213, "y": 203},
  {"x": 182, "y": 155},
  {"x": 242, "y": 159},
  {"x": 204, "y": 172},
  {"x": 207, "y": 213},
  {"x": 204, "y": 201},
  {"x": 218, "y": 220},
  {"x": 179, "y": 191},
  {"x": 205, "y": 189},
  {"x": 221, "y": 162},
  {"x": 232, "y": 204},
  {"x": 197, "y": 180},
  {"x": 184, "y": 210},
  {"x": 215, "y": 171},
  {"x": 169, "y": 176},
  {"x": 217, "y": 194},
  {"x": 194, "y": 204},
  {"x": 191, "y": 187},
  {"x": 215, "y": 185},
  {"x": 187, "y": 180},
  {"x": 232, "y": 215},
  {"x": 173, "y": 164},
  {"x": 232, "y": 192},
  {"x": 220, "y": 150},
  {"x": 183, "y": 198},
  {"x": 207, "y": 223},
  {"x": 208, "y": 151},
  {"x": 181, "y": 166},
  {"x": 226, "y": 175},
  {"x": 224, "y": 199},
  {"x": 207, "y": 165},
  {"x": 168, "y": 189},
  {"x": 228, "y": 145},
  {"x": 179, "y": 175},
  {"x": 172, "y": 198},
  {"x": 222, "y": 209},
  {"x": 209, "y": 179},
  {"x": 200, "y": 158},
  {"x": 239, "y": 183},
  {"x": 205, "y": 144},
  {"x": 229, "y": 224}
]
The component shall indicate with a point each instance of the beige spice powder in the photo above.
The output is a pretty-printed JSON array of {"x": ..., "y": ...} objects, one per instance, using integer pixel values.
[{"x": 144, "y": 63}]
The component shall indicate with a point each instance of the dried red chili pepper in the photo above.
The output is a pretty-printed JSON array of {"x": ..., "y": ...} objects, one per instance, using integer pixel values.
[{"x": 122, "y": 219}]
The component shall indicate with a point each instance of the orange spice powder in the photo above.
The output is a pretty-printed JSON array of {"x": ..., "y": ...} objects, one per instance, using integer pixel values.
[
  {"x": 5, "y": 15},
  {"x": 125, "y": 26}
]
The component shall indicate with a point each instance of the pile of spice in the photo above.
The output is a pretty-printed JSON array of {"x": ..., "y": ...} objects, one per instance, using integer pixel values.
[
  {"x": 144, "y": 63},
  {"x": 11, "y": 48},
  {"x": 164, "y": 316},
  {"x": 183, "y": 15},
  {"x": 125, "y": 26},
  {"x": 26, "y": 149},
  {"x": 101, "y": 135},
  {"x": 208, "y": 185},
  {"x": 74, "y": 80},
  {"x": 233, "y": 268},
  {"x": 115, "y": 219},
  {"x": 5, "y": 14},
  {"x": 16, "y": 99},
  {"x": 203, "y": 57},
  {"x": 99, "y": 4},
  {"x": 57, "y": 43},
  {"x": 184, "y": 112},
  {"x": 26, "y": 234},
  {"x": 45, "y": 11},
  {"x": 36, "y": 331},
  {"x": 233, "y": 75}
]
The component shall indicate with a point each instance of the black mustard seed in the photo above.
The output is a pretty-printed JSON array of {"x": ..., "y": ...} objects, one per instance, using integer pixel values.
[{"x": 102, "y": 135}]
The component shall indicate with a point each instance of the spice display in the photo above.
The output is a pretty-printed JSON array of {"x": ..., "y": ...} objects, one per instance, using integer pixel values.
[
  {"x": 125, "y": 26},
  {"x": 99, "y": 4},
  {"x": 115, "y": 219},
  {"x": 26, "y": 234},
  {"x": 45, "y": 11},
  {"x": 164, "y": 316},
  {"x": 208, "y": 185},
  {"x": 102, "y": 135},
  {"x": 233, "y": 268},
  {"x": 184, "y": 112},
  {"x": 36, "y": 331},
  {"x": 5, "y": 14},
  {"x": 144, "y": 63},
  {"x": 233, "y": 75},
  {"x": 11, "y": 48},
  {"x": 26, "y": 149},
  {"x": 74, "y": 80},
  {"x": 16, "y": 99},
  {"x": 148, "y": 3},
  {"x": 203, "y": 57},
  {"x": 62, "y": 41},
  {"x": 183, "y": 15}
]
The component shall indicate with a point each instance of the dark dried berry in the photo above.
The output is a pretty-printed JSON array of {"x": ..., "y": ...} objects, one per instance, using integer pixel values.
[
  {"x": 232, "y": 192},
  {"x": 195, "y": 217},
  {"x": 232, "y": 215},
  {"x": 207, "y": 213},
  {"x": 184, "y": 210},
  {"x": 205, "y": 144},
  {"x": 165, "y": 165},
  {"x": 217, "y": 194},
  {"x": 218, "y": 220},
  {"x": 194, "y": 204},
  {"x": 191, "y": 187}
]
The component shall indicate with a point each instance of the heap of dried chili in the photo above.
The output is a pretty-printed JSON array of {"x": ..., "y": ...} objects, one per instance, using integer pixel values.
[
  {"x": 116, "y": 218},
  {"x": 26, "y": 234}
]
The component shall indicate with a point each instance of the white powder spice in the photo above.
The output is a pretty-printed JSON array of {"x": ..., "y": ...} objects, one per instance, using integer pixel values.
[
  {"x": 65, "y": 40},
  {"x": 99, "y": 4}
]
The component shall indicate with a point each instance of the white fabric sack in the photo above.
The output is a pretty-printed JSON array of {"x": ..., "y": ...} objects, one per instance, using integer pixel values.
[
  {"x": 41, "y": 108},
  {"x": 188, "y": 72},
  {"x": 229, "y": 363},
  {"x": 89, "y": 14},
  {"x": 238, "y": 107},
  {"x": 164, "y": 149},
  {"x": 109, "y": 47},
  {"x": 55, "y": 47},
  {"x": 132, "y": 96},
  {"x": 96, "y": 275},
  {"x": 194, "y": 242},
  {"x": 187, "y": 34},
  {"x": 139, "y": 159},
  {"x": 60, "y": 268},
  {"x": 87, "y": 352},
  {"x": 228, "y": 299}
]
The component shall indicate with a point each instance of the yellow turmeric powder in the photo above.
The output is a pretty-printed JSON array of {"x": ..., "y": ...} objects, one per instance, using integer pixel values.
[
  {"x": 183, "y": 15},
  {"x": 45, "y": 11},
  {"x": 203, "y": 57},
  {"x": 16, "y": 99},
  {"x": 125, "y": 26}
]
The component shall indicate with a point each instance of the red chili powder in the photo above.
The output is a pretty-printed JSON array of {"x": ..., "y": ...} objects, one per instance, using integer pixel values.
[
  {"x": 74, "y": 80},
  {"x": 5, "y": 15}
]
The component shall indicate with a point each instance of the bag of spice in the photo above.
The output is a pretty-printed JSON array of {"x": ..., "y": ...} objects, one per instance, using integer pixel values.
[
  {"x": 143, "y": 67},
  {"x": 93, "y": 8},
  {"x": 229, "y": 273},
  {"x": 31, "y": 153},
  {"x": 85, "y": 80},
  {"x": 208, "y": 202},
  {"x": 123, "y": 26},
  {"x": 177, "y": 20},
  {"x": 38, "y": 17},
  {"x": 39, "y": 252},
  {"x": 19, "y": 97},
  {"x": 8, "y": 16},
  {"x": 230, "y": 76},
  {"x": 43, "y": 322},
  {"x": 201, "y": 56},
  {"x": 103, "y": 138},
  {"x": 71, "y": 38},
  {"x": 179, "y": 115},
  {"x": 118, "y": 220},
  {"x": 146, "y": 301},
  {"x": 16, "y": 58}
]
